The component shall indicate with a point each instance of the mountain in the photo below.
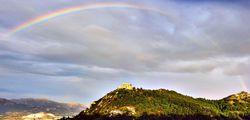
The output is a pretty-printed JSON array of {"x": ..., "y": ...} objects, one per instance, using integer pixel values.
[
  {"x": 31, "y": 105},
  {"x": 44, "y": 105},
  {"x": 8, "y": 105},
  {"x": 128, "y": 102}
]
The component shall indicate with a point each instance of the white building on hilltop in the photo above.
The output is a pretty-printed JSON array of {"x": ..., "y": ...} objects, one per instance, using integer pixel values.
[{"x": 127, "y": 86}]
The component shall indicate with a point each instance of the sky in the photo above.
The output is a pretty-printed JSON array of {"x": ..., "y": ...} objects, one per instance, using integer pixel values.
[{"x": 79, "y": 50}]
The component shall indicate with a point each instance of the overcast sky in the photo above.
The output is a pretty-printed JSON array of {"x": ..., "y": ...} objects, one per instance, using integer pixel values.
[{"x": 197, "y": 48}]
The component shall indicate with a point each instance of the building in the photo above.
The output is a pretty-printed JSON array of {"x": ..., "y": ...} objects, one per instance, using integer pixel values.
[{"x": 127, "y": 86}]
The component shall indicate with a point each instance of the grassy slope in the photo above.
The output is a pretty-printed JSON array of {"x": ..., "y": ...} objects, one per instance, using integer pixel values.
[{"x": 163, "y": 103}]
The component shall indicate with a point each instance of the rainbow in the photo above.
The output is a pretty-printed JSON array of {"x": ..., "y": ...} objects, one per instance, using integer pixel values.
[
  {"x": 73, "y": 9},
  {"x": 243, "y": 84},
  {"x": 61, "y": 12}
]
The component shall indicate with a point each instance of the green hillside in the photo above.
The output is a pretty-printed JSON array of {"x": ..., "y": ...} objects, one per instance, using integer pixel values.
[{"x": 143, "y": 104}]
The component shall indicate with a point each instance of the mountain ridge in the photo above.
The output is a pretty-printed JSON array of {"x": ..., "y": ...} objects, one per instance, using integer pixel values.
[
  {"x": 35, "y": 105},
  {"x": 136, "y": 103}
]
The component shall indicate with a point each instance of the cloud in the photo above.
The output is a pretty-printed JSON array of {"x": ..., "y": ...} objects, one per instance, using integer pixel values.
[
  {"x": 4, "y": 90},
  {"x": 239, "y": 68},
  {"x": 192, "y": 46},
  {"x": 195, "y": 39}
]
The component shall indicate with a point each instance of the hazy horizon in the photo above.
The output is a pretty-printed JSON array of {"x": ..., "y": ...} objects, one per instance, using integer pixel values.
[
  {"x": 90, "y": 102},
  {"x": 77, "y": 51}
]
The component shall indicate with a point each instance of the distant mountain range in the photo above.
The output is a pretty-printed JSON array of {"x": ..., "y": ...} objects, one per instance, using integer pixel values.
[
  {"x": 133, "y": 103},
  {"x": 31, "y": 105}
]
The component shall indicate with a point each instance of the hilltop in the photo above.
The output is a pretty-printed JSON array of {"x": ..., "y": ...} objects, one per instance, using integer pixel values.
[
  {"x": 137, "y": 103},
  {"x": 242, "y": 97}
]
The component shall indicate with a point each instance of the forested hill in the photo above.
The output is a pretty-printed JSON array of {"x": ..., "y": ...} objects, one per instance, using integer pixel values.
[{"x": 165, "y": 104}]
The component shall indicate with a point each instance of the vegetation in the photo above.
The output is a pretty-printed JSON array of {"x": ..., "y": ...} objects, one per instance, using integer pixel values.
[{"x": 165, "y": 104}]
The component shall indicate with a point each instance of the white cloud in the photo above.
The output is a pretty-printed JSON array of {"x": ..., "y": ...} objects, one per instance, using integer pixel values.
[{"x": 189, "y": 48}]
